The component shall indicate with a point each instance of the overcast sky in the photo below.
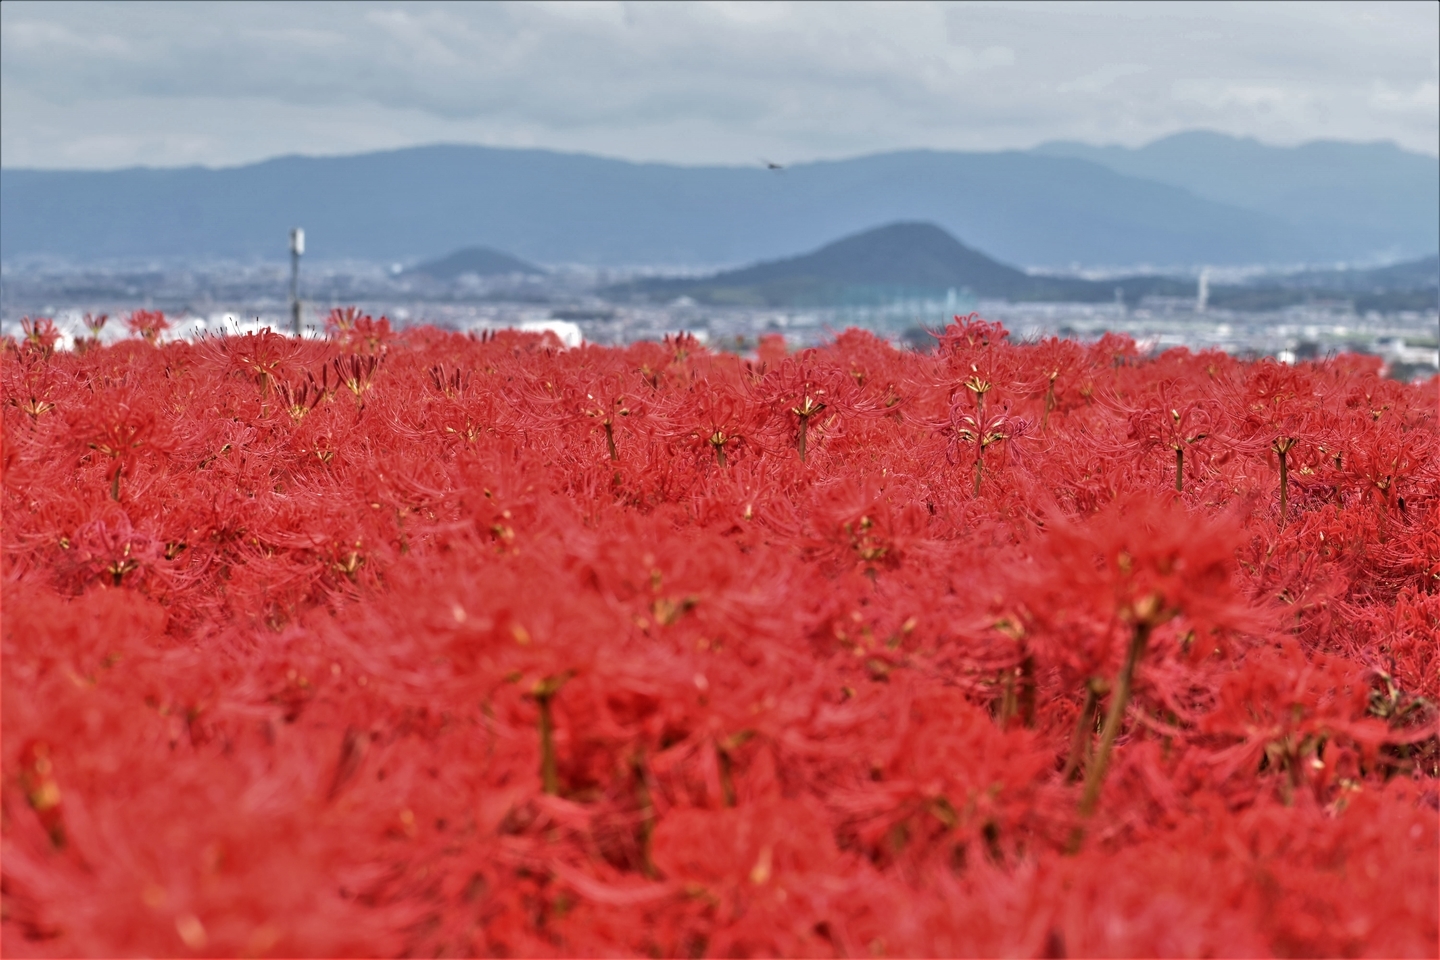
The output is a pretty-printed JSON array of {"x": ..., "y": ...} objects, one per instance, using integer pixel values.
[{"x": 106, "y": 85}]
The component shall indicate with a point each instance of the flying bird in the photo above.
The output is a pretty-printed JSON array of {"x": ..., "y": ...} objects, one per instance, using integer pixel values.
[{"x": 772, "y": 165}]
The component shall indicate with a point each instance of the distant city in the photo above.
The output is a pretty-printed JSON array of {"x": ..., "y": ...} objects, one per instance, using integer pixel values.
[{"x": 580, "y": 304}]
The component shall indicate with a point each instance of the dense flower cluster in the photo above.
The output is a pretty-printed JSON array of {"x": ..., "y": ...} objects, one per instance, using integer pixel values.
[{"x": 429, "y": 644}]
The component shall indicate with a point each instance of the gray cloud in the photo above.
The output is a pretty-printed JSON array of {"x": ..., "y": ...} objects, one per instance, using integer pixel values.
[{"x": 102, "y": 85}]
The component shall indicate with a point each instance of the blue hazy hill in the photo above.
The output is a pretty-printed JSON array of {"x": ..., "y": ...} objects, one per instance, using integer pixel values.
[
  {"x": 898, "y": 260},
  {"x": 548, "y": 207},
  {"x": 1384, "y": 198},
  {"x": 480, "y": 261}
]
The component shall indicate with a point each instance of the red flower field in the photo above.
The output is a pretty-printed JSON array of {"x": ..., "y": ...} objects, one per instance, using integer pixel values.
[{"x": 416, "y": 643}]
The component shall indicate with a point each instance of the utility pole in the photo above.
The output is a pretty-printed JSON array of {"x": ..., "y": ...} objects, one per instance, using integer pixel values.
[{"x": 297, "y": 247}]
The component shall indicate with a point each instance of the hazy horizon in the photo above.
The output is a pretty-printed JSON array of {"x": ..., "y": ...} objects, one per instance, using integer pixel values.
[
  {"x": 87, "y": 86},
  {"x": 737, "y": 165}
]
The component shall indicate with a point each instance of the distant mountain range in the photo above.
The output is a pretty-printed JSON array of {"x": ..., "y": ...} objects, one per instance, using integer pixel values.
[
  {"x": 1189, "y": 199},
  {"x": 1384, "y": 198},
  {"x": 923, "y": 261}
]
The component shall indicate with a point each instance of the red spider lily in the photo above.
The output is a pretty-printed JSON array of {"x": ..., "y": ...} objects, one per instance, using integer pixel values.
[
  {"x": 609, "y": 400},
  {"x": 455, "y": 669},
  {"x": 770, "y": 350},
  {"x": 357, "y": 329},
  {"x": 1060, "y": 363},
  {"x": 40, "y": 335},
  {"x": 974, "y": 354},
  {"x": 1174, "y": 424},
  {"x": 976, "y": 432},
  {"x": 93, "y": 323},
  {"x": 37, "y": 778},
  {"x": 794, "y": 392},
  {"x": 147, "y": 324},
  {"x": 948, "y": 786},
  {"x": 1278, "y": 415},
  {"x": 356, "y": 372},
  {"x": 1131, "y": 568},
  {"x": 1384, "y": 462},
  {"x": 120, "y": 431},
  {"x": 969, "y": 333},
  {"x": 113, "y": 552},
  {"x": 1304, "y": 719},
  {"x": 611, "y": 403},
  {"x": 265, "y": 357},
  {"x": 718, "y": 420},
  {"x": 341, "y": 320},
  {"x": 304, "y": 396}
]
